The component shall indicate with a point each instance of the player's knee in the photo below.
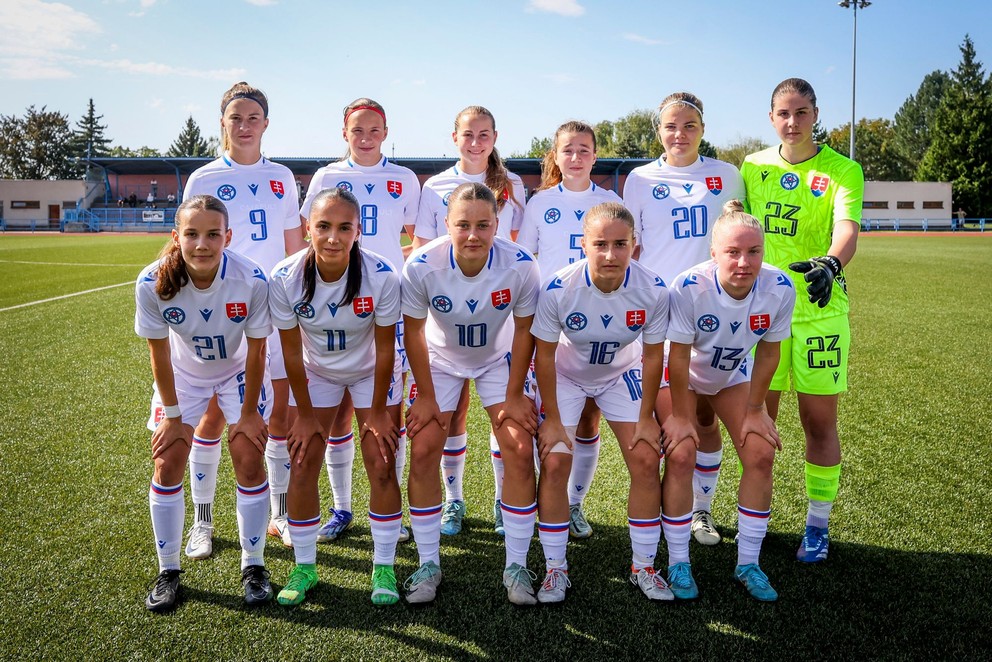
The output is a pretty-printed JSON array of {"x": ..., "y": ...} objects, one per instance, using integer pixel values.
[
  {"x": 760, "y": 462},
  {"x": 681, "y": 461},
  {"x": 556, "y": 468}
]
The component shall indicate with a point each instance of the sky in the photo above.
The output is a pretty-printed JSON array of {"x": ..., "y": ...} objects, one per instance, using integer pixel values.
[{"x": 148, "y": 64}]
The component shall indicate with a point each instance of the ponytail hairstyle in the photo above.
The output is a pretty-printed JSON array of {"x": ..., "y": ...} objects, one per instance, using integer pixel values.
[
  {"x": 683, "y": 100},
  {"x": 610, "y": 211},
  {"x": 733, "y": 215},
  {"x": 497, "y": 176},
  {"x": 550, "y": 172},
  {"x": 471, "y": 191},
  {"x": 241, "y": 90},
  {"x": 363, "y": 103},
  {"x": 172, "y": 275},
  {"x": 353, "y": 285},
  {"x": 797, "y": 85}
]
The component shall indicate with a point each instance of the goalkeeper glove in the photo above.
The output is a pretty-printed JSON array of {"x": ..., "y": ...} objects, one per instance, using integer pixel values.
[{"x": 820, "y": 274}]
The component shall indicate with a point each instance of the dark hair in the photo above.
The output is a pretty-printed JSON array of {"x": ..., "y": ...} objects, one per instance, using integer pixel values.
[
  {"x": 363, "y": 103},
  {"x": 354, "y": 283},
  {"x": 550, "y": 172},
  {"x": 241, "y": 90},
  {"x": 497, "y": 176},
  {"x": 474, "y": 191},
  {"x": 172, "y": 275},
  {"x": 797, "y": 85},
  {"x": 613, "y": 211}
]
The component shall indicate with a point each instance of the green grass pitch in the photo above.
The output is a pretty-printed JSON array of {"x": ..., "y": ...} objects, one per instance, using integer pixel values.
[{"x": 908, "y": 576}]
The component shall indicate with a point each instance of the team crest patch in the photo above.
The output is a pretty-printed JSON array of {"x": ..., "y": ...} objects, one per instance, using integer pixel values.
[
  {"x": 304, "y": 310},
  {"x": 441, "y": 304},
  {"x": 635, "y": 319},
  {"x": 237, "y": 312},
  {"x": 661, "y": 191},
  {"x": 277, "y": 188},
  {"x": 715, "y": 185},
  {"x": 789, "y": 181},
  {"x": 760, "y": 323},
  {"x": 394, "y": 188},
  {"x": 445, "y": 198},
  {"x": 174, "y": 315},
  {"x": 708, "y": 323},
  {"x": 500, "y": 299},
  {"x": 576, "y": 321},
  {"x": 345, "y": 185},
  {"x": 553, "y": 215},
  {"x": 226, "y": 192},
  {"x": 819, "y": 185},
  {"x": 362, "y": 306}
]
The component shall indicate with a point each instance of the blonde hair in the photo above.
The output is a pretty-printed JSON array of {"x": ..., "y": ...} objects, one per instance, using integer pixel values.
[
  {"x": 241, "y": 90},
  {"x": 684, "y": 100},
  {"x": 550, "y": 172},
  {"x": 497, "y": 176},
  {"x": 734, "y": 216},
  {"x": 474, "y": 191},
  {"x": 610, "y": 211}
]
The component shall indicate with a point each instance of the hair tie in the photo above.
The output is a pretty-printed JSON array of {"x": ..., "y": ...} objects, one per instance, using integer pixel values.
[
  {"x": 247, "y": 95},
  {"x": 372, "y": 108},
  {"x": 682, "y": 101}
]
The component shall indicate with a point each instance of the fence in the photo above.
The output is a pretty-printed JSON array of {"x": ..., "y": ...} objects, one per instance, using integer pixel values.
[
  {"x": 924, "y": 224},
  {"x": 111, "y": 219}
]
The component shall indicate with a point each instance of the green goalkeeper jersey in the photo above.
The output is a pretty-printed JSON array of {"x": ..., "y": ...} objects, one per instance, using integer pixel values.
[{"x": 798, "y": 204}]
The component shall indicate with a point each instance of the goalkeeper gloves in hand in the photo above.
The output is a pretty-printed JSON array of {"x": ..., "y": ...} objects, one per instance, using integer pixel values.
[{"x": 820, "y": 274}]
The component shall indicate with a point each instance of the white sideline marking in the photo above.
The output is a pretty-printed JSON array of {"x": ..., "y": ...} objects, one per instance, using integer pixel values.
[
  {"x": 65, "y": 296},
  {"x": 71, "y": 264}
]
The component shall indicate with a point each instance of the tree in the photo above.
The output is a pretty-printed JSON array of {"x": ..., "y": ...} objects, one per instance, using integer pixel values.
[
  {"x": 88, "y": 138},
  {"x": 604, "y": 138},
  {"x": 737, "y": 150},
  {"x": 820, "y": 134},
  {"x": 915, "y": 117},
  {"x": 961, "y": 137},
  {"x": 707, "y": 149},
  {"x": 118, "y": 151},
  {"x": 635, "y": 136},
  {"x": 874, "y": 146},
  {"x": 538, "y": 148},
  {"x": 190, "y": 141},
  {"x": 36, "y": 146}
]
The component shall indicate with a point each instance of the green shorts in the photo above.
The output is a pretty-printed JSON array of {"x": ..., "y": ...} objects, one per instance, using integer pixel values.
[{"x": 816, "y": 357}]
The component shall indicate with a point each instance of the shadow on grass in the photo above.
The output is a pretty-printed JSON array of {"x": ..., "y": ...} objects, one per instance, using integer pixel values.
[{"x": 863, "y": 602}]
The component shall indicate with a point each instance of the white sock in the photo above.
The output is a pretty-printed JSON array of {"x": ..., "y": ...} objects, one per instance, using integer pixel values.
[
  {"x": 385, "y": 535},
  {"x": 645, "y": 534},
  {"x": 277, "y": 463},
  {"x": 303, "y": 534},
  {"x": 204, "y": 459},
  {"x": 497, "y": 460},
  {"x": 426, "y": 525},
  {"x": 751, "y": 528},
  {"x": 339, "y": 456},
  {"x": 168, "y": 508},
  {"x": 677, "y": 532},
  {"x": 518, "y": 521},
  {"x": 704, "y": 478},
  {"x": 554, "y": 540},
  {"x": 819, "y": 513},
  {"x": 453, "y": 466},
  {"x": 585, "y": 457},
  {"x": 253, "y": 517}
]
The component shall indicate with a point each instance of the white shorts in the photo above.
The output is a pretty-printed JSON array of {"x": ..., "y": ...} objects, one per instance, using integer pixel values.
[
  {"x": 277, "y": 367},
  {"x": 620, "y": 401},
  {"x": 325, "y": 393},
  {"x": 490, "y": 384},
  {"x": 193, "y": 400}
]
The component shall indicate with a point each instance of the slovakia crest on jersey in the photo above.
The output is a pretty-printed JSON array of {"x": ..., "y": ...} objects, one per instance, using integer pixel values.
[
  {"x": 237, "y": 312},
  {"x": 819, "y": 185},
  {"x": 394, "y": 188},
  {"x": 500, "y": 299},
  {"x": 635, "y": 319},
  {"x": 715, "y": 185},
  {"x": 277, "y": 188},
  {"x": 760, "y": 323},
  {"x": 362, "y": 306}
]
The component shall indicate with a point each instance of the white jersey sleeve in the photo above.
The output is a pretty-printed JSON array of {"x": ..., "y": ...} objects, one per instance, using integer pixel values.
[{"x": 434, "y": 203}]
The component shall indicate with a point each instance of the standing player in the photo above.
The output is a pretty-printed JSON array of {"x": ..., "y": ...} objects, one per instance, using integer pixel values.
[
  {"x": 336, "y": 307},
  {"x": 478, "y": 162},
  {"x": 721, "y": 309},
  {"x": 204, "y": 311},
  {"x": 809, "y": 198},
  {"x": 389, "y": 196},
  {"x": 674, "y": 201},
  {"x": 552, "y": 228},
  {"x": 262, "y": 201},
  {"x": 468, "y": 303}
]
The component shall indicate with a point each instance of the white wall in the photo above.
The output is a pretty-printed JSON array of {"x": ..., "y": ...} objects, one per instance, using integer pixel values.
[
  {"x": 892, "y": 193},
  {"x": 63, "y": 193}
]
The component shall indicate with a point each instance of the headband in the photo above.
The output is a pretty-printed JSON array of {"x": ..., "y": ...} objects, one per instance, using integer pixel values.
[
  {"x": 683, "y": 102},
  {"x": 372, "y": 108},
  {"x": 247, "y": 95}
]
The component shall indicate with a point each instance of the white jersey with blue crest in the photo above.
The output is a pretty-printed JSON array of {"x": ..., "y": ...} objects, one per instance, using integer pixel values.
[
  {"x": 338, "y": 339},
  {"x": 674, "y": 210},
  {"x": 262, "y": 203},
  {"x": 434, "y": 203},
  {"x": 469, "y": 323},
  {"x": 206, "y": 328},
  {"x": 388, "y": 195},
  {"x": 597, "y": 332},
  {"x": 721, "y": 329},
  {"x": 552, "y": 225}
]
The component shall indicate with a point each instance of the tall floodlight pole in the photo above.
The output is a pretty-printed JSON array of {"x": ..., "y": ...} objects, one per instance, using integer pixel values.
[{"x": 856, "y": 4}]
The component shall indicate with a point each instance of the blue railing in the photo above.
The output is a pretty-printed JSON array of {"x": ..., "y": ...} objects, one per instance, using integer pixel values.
[
  {"x": 111, "y": 219},
  {"x": 924, "y": 224}
]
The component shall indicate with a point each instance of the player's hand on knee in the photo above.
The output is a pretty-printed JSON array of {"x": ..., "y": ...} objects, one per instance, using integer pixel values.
[
  {"x": 647, "y": 431},
  {"x": 677, "y": 429},
  {"x": 550, "y": 435},
  {"x": 253, "y": 427},
  {"x": 757, "y": 421},
  {"x": 820, "y": 274},
  {"x": 168, "y": 432},
  {"x": 305, "y": 431},
  {"x": 521, "y": 409}
]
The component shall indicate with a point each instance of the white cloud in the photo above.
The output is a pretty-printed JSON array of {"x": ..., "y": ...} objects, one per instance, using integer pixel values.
[
  {"x": 570, "y": 8},
  {"x": 560, "y": 78},
  {"x": 640, "y": 39},
  {"x": 192, "y": 108},
  {"x": 145, "y": 4},
  {"x": 262, "y": 3},
  {"x": 31, "y": 69},
  {"x": 159, "y": 69},
  {"x": 33, "y": 28}
]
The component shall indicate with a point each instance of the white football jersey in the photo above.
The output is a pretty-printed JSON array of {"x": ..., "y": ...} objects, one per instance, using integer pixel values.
[
  {"x": 674, "y": 210},
  {"x": 721, "y": 329},
  {"x": 389, "y": 196},
  {"x": 434, "y": 203},
  {"x": 552, "y": 225},
  {"x": 597, "y": 332},
  {"x": 338, "y": 340},
  {"x": 468, "y": 319},
  {"x": 206, "y": 328},
  {"x": 262, "y": 203}
]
